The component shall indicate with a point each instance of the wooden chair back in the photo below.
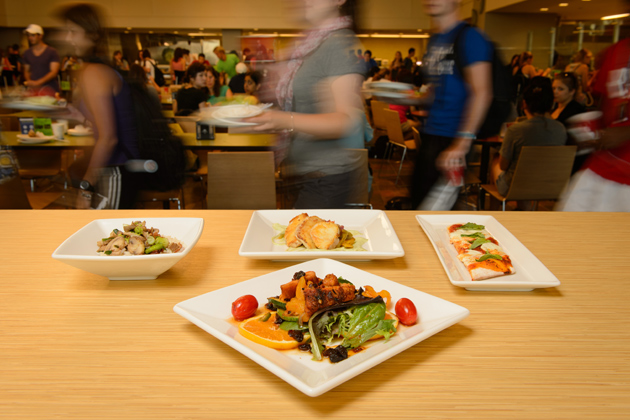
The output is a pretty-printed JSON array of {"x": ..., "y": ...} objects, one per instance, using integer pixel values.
[
  {"x": 394, "y": 129},
  {"x": 378, "y": 115},
  {"x": 416, "y": 137},
  {"x": 541, "y": 172},
  {"x": 241, "y": 180},
  {"x": 187, "y": 124}
]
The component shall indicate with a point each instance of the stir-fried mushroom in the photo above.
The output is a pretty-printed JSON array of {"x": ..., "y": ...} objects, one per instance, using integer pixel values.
[
  {"x": 136, "y": 245},
  {"x": 116, "y": 245}
]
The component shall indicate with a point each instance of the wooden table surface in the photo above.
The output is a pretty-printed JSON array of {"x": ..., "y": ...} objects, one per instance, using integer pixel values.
[
  {"x": 77, "y": 346},
  {"x": 222, "y": 141}
]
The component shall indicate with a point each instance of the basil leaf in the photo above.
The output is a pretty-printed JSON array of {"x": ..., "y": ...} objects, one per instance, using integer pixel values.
[
  {"x": 486, "y": 256},
  {"x": 478, "y": 242},
  {"x": 474, "y": 235},
  {"x": 472, "y": 226},
  {"x": 108, "y": 252}
]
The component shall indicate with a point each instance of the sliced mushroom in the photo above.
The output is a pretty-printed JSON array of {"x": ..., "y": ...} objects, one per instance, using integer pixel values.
[
  {"x": 136, "y": 245},
  {"x": 128, "y": 228},
  {"x": 116, "y": 244}
]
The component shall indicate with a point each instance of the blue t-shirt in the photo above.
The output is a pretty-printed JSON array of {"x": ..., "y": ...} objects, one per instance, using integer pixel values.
[{"x": 446, "y": 112}]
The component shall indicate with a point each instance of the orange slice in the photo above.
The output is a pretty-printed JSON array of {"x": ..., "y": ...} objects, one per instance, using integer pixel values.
[{"x": 267, "y": 333}]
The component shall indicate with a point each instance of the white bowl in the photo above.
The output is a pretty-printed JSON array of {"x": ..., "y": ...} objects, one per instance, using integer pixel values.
[{"x": 79, "y": 250}]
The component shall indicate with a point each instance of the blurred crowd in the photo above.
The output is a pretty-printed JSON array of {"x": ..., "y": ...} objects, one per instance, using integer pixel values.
[{"x": 462, "y": 88}]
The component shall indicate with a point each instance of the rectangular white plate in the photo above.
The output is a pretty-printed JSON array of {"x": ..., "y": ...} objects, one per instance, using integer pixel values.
[
  {"x": 212, "y": 311},
  {"x": 530, "y": 272},
  {"x": 372, "y": 224}
]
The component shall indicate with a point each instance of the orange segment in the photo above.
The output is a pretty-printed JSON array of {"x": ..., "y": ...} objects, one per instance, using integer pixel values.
[{"x": 267, "y": 333}]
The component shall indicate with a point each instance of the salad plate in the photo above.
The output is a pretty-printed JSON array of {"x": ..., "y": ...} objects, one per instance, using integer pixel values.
[
  {"x": 530, "y": 272},
  {"x": 79, "y": 133},
  {"x": 212, "y": 313},
  {"x": 389, "y": 86},
  {"x": 80, "y": 249},
  {"x": 373, "y": 225}
]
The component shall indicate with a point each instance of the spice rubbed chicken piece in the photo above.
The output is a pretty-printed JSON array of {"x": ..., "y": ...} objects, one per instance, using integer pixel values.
[
  {"x": 290, "y": 233},
  {"x": 303, "y": 231},
  {"x": 328, "y": 293}
]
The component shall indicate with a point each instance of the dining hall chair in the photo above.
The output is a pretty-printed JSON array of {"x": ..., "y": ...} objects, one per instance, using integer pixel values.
[
  {"x": 396, "y": 138},
  {"x": 542, "y": 173},
  {"x": 241, "y": 180},
  {"x": 378, "y": 119},
  {"x": 40, "y": 164}
]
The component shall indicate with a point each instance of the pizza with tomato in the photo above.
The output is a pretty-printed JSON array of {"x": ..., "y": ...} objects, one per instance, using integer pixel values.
[{"x": 479, "y": 251}]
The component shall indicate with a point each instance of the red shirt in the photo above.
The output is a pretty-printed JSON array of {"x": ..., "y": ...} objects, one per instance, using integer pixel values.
[
  {"x": 614, "y": 164},
  {"x": 402, "y": 112}
]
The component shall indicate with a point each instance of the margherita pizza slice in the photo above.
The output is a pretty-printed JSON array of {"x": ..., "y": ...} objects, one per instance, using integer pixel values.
[{"x": 479, "y": 251}]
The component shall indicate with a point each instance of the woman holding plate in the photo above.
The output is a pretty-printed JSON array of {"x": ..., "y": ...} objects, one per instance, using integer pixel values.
[{"x": 321, "y": 117}]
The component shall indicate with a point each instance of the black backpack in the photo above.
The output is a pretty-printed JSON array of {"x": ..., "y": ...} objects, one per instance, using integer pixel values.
[
  {"x": 502, "y": 90},
  {"x": 159, "y": 76},
  {"x": 156, "y": 142}
]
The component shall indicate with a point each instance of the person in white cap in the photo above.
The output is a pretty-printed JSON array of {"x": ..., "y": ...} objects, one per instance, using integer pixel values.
[{"x": 41, "y": 63}]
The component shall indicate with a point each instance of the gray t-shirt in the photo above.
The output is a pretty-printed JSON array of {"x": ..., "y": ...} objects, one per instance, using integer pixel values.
[
  {"x": 538, "y": 131},
  {"x": 39, "y": 65},
  {"x": 312, "y": 95}
]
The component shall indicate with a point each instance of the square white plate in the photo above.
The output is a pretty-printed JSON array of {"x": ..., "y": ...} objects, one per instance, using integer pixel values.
[
  {"x": 530, "y": 272},
  {"x": 212, "y": 311},
  {"x": 79, "y": 250},
  {"x": 382, "y": 241}
]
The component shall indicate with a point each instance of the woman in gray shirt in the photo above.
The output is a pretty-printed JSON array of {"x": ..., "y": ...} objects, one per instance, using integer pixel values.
[{"x": 322, "y": 110}]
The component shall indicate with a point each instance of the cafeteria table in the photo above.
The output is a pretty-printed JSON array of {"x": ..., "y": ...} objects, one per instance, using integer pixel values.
[
  {"x": 222, "y": 141},
  {"x": 77, "y": 346}
]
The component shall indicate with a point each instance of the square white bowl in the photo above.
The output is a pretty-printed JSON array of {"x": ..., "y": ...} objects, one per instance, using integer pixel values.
[
  {"x": 382, "y": 241},
  {"x": 79, "y": 250},
  {"x": 212, "y": 312}
]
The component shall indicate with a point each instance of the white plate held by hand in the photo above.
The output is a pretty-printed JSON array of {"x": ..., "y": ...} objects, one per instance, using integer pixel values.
[{"x": 212, "y": 312}]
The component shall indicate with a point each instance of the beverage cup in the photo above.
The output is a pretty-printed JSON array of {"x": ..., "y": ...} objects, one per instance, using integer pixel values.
[
  {"x": 65, "y": 125},
  {"x": 57, "y": 129},
  {"x": 585, "y": 126},
  {"x": 456, "y": 176}
]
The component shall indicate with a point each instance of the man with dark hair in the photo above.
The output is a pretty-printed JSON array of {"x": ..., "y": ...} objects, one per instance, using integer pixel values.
[
  {"x": 462, "y": 90},
  {"x": 41, "y": 62},
  {"x": 370, "y": 63},
  {"x": 410, "y": 61},
  {"x": 202, "y": 59}
]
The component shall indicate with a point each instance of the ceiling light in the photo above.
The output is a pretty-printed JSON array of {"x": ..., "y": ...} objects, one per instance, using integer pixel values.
[
  {"x": 128, "y": 28},
  {"x": 175, "y": 32},
  {"x": 126, "y": 32},
  {"x": 544, "y": 9},
  {"x": 623, "y": 15},
  {"x": 563, "y": 4},
  {"x": 150, "y": 32},
  {"x": 201, "y": 29},
  {"x": 415, "y": 36}
]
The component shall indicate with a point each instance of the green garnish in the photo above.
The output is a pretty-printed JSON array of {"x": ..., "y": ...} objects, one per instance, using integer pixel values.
[
  {"x": 108, "y": 252},
  {"x": 472, "y": 226},
  {"x": 265, "y": 317},
  {"x": 474, "y": 235},
  {"x": 341, "y": 280},
  {"x": 138, "y": 230},
  {"x": 487, "y": 256},
  {"x": 478, "y": 242}
]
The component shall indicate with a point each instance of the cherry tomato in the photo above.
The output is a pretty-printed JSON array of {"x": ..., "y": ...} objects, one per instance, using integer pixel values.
[
  {"x": 244, "y": 307},
  {"x": 406, "y": 312}
]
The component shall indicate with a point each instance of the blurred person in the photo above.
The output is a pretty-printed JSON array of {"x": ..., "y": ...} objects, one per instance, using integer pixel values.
[
  {"x": 202, "y": 59},
  {"x": 410, "y": 61},
  {"x": 140, "y": 59},
  {"x": 227, "y": 62},
  {"x": 580, "y": 67},
  {"x": 564, "y": 90},
  {"x": 119, "y": 62},
  {"x": 188, "y": 59},
  {"x": 395, "y": 65},
  {"x": 406, "y": 124},
  {"x": 216, "y": 92},
  {"x": 193, "y": 94},
  {"x": 322, "y": 113},
  {"x": 70, "y": 62},
  {"x": 41, "y": 63},
  {"x": 247, "y": 54},
  {"x": 6, "y": 77},
  {"x": 537, "y": 130},
  {"x": 460, "y": 100},
  {"x": 178, "y": 66},
  {"x": 360, "y": 55},
  {"x": 252, "y": 85},
  {"x": 369, "y": 62},
  {"x": 16, "y": 61},
  {"x": 138, "y": 75},
  {"x": 527, "y": 68},
  {"x": 148, "y": 64},
  {"x": 603, "y": 184},
  {"x": 237, "y": 83},
  {"x": 104, "y": 98}
]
